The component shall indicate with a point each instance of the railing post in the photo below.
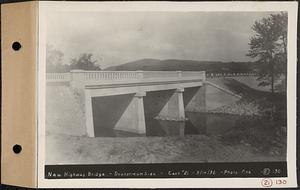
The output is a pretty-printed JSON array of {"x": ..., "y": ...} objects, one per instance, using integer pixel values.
[
  {"x": 140, "y": 74},
  {"x": 179, "y": 74},
  {"x": 77, "y": 78}
]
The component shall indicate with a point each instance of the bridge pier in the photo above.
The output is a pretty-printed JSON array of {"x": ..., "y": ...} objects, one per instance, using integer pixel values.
[
  {"x": 133, "y": 118},
  {"x": 174, "y": 107}
]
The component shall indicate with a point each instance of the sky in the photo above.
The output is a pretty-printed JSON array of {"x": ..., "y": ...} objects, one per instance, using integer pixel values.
[{"x": 118, "y": 37}]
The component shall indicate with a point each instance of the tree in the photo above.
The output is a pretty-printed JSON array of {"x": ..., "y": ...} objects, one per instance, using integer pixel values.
[
  {"x": 85, "y": 62},
  {"x": 269, "y": 47},
  {"x": 281, "y": 22},
  {"x": 54, "y": 59}
]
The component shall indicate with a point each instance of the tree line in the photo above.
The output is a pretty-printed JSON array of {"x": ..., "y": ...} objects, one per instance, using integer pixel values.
[{"x": 54, "y": 62}]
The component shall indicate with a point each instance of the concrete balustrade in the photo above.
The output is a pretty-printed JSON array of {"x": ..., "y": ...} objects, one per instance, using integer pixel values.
[
  {"x": 115, "y": 75},
  {"x": 107, "y": 75},
  {"x": 81, "y": 78},
  {"x": 58, "y": 77},
  {"x": 217, "y": 75},
  {"x": 81, "y": 75},
  {"x": 160, "y": 74}
]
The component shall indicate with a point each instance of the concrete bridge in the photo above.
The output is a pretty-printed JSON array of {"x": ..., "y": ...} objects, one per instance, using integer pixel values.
[{"x": 121, "y": 99}]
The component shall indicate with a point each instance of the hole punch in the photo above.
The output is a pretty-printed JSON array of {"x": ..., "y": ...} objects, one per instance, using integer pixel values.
[
  {"x": 17, "y": 148},
  {"x": 16, "y": 46}
]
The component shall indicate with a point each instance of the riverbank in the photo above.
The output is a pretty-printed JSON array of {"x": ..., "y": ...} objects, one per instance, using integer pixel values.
[
  {"x": 254, "y": 102},
  {"x": 65, "y": 149}
]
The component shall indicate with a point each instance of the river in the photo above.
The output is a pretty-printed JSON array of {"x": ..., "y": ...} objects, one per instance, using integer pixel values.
[{"x": 260, "y": 133}]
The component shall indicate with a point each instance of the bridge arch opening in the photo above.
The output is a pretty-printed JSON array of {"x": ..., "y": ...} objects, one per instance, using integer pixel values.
[
  {"x": 165, "y": 105},
  {"x": 107, "y": 111},
  {"x": 117, "y": 113}
]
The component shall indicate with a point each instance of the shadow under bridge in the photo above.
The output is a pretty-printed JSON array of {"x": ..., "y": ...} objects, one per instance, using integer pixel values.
[{"x": 125, "y": 107}]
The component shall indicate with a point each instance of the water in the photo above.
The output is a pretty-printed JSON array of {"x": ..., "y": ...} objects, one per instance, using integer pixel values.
[
  {"x": 198, "y": 124},
  {"x": 258, "y": 133}
]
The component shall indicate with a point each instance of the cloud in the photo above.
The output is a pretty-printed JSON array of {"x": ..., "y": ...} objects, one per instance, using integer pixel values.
[{"x": 119, "y": 37}]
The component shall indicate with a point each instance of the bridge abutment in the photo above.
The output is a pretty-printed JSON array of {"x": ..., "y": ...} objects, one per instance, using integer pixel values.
[{"x": 89, "y": 120}]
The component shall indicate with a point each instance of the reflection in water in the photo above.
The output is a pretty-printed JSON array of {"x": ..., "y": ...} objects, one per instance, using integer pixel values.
[
  {"x": 165, "y": 128},
  {"x": 196, "y": 124},
  {"x": 259, "y": 133}
]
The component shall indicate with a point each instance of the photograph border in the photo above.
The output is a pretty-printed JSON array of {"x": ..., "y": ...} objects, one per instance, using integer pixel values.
[{"x": 48, "y": 8}]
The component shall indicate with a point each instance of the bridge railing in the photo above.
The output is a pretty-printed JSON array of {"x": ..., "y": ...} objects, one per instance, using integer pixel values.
[
  {"x": 109, "y": 75},
  {"x": 134, "y": 75},
  {"x": 216, "y": 75},
  {"x": 58, "y": 77},
  {"x": 159, "y": 74},
  {"x": 193, "y": 74},
  {"x": 79, "y": 78}
]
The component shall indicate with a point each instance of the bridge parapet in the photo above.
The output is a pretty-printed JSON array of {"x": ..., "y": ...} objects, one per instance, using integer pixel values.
[
  {"x": 218, "y": 75},
  {"x": 58, "y": 77},
  {"x": 80, "y": 78},
  {"x": 159, "y": 74},
  {"x": 109, "y": 75},
  {"x": 193, "y": 74}
]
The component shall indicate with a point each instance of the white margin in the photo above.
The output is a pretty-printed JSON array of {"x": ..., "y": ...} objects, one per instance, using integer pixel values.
[{"x": 291, "y": 7}]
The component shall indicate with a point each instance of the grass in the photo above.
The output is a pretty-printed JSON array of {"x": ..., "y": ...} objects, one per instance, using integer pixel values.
[
  {"x": 192, "y": 148},
  {"x": 255, "y": 101}
]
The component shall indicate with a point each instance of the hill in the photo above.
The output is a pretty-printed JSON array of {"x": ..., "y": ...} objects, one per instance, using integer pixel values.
[{"x": 185, "y": 65}]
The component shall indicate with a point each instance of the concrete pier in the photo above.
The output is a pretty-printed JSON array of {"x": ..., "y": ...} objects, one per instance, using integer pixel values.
[
  {"x": 133, "y": 117},
  {"x": 174, "y": 107}
]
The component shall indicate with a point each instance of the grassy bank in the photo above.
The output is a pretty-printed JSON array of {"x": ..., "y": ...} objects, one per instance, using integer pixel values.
[
  {"x": 64, "y": 149},
  {"x": 254, "y": 102}
]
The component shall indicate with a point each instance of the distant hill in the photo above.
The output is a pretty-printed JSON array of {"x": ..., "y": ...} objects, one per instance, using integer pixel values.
[{"x": 185, "y": 65}]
